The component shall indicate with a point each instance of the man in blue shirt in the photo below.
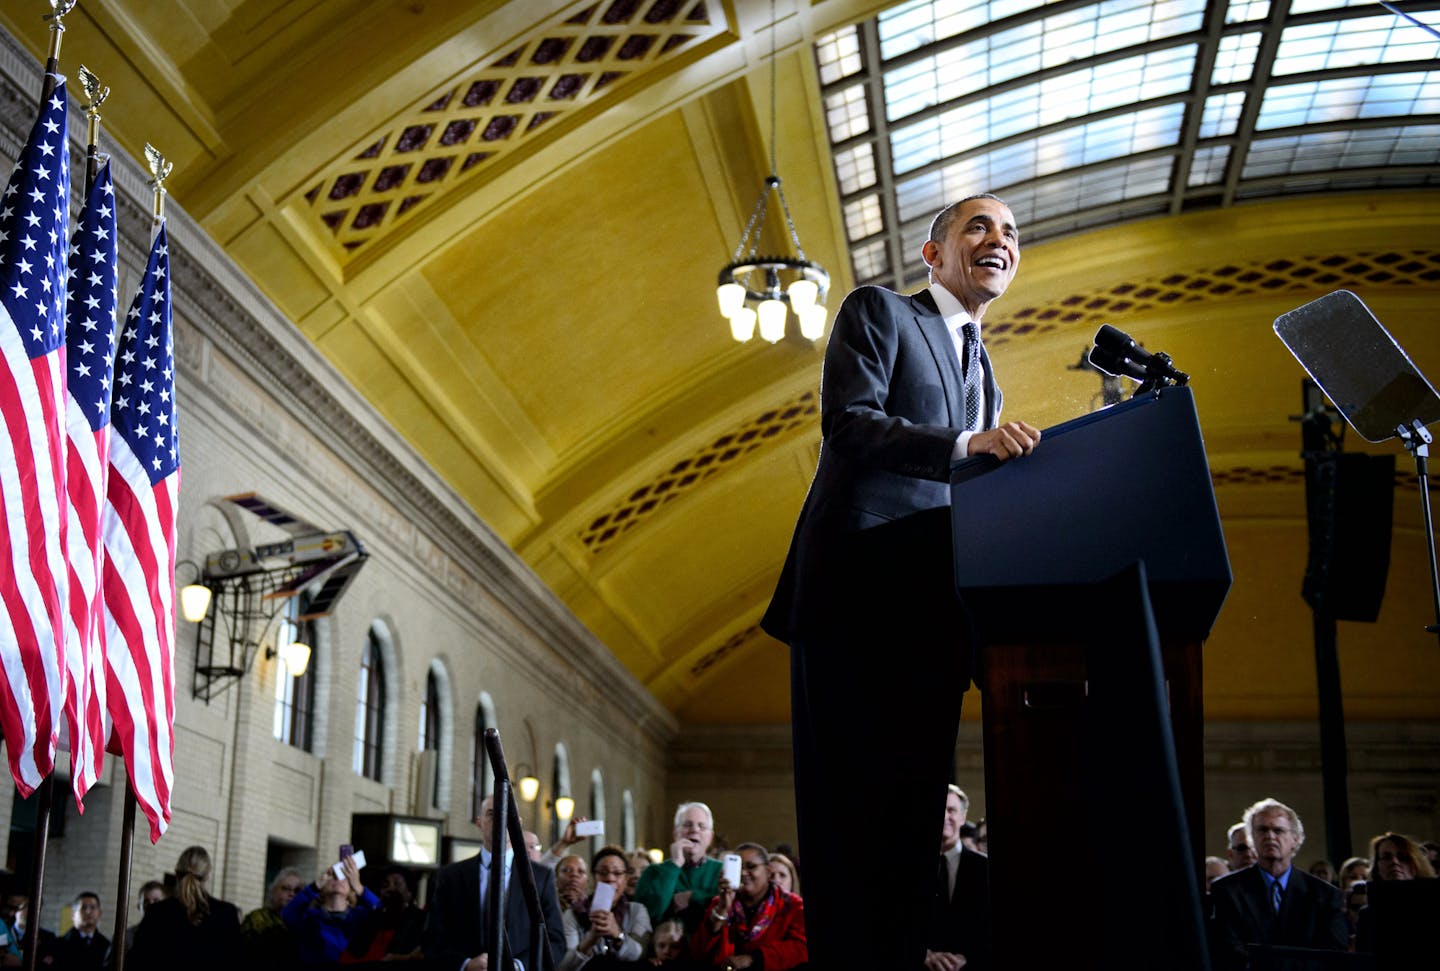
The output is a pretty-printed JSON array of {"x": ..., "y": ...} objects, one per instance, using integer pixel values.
[{"x": 1271, "y": 902}]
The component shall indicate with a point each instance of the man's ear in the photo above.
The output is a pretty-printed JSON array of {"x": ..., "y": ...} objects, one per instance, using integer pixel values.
[{"x": 929, "y": 251}]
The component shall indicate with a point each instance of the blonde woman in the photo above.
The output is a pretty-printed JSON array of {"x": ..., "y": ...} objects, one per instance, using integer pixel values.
[{"x": 190, "y": 928}]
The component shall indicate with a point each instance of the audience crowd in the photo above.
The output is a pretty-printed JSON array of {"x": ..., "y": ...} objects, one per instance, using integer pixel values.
[{"x": 690, "y": 912}]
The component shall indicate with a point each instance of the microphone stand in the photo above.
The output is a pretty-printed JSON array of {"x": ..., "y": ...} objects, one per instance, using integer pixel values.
[{"x": 1417, "y": 439}]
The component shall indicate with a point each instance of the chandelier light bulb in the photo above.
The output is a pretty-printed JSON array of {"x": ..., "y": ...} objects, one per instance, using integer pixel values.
[
  {"x": 772, "y": 320},
  {"x": 731, "y": 297},
  {"x": 812, "y": 321},
  {"x": 742, "y": 324},
  {"x": 802, "y": 294}
]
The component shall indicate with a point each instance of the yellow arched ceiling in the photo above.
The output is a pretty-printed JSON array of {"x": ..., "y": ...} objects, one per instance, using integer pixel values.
[{"x": 535, "y": 310}]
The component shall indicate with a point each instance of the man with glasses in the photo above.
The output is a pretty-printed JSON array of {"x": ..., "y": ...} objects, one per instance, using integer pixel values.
[
  {"x": 682, "y": 887},
  {"x": 1240, "y": 853},
  {"x": 1273, "y": 903}
]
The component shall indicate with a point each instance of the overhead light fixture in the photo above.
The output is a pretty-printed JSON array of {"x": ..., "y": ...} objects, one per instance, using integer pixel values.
[
  {"x": 564, "y": 808},
  {"x": 765, "y": 290}
]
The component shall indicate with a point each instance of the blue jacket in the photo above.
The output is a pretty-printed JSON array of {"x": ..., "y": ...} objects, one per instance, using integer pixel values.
[{"x": 322, "y": 935}]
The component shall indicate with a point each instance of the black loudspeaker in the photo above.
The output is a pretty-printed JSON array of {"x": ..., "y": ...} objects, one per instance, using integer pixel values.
[{"x": 1350, "y": 501}]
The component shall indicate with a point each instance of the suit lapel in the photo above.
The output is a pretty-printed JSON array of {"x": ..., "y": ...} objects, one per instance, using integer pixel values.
[{"x": 942, "y": 348}]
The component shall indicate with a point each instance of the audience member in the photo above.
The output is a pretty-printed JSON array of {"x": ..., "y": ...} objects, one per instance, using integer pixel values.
[
  {"x": 619, "y": 933},
  {"x": 395, "y": 932},
  {"x": 761, "y": 926},
  {"x": 1215, "y": 868},
  {"x": 455, "y": 936},
  {"x": 959, "y": 928},
  {"x": 1355, "y": 900},
  {"x": 325, "y": 915},
  {"x": 1323, "y": 870},
  {"x": 668, "y": 943},
  {"x": 151, "y": 892},
  {"x": 638, "y": 861},
  {"x": 1240, "y": 853},
  {"x": 265, "y": 940},
  {"x": 683, "y": 886},
  {"x": 562, "y": 846},
  {"x": 83, "y": 946},
  {"x": 1432, "y": 853},
  {"x": 968, "y": 832},
  {"x": 572, "y": 881},
  {"x": 190, "y": 928},
  {"x": 13, "y": 904},
  {"x": 982, "y": 838},
  {"x": 1353, "y": 869},
  {"x": 1397, "y": 857},
  {"x": 533, "y": 848},
  {"x": 1272, "y": 902},
  {"x": 783, "y": 873}
]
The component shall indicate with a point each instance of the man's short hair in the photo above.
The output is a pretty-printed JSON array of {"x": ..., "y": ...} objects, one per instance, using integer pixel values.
[
  {"x": 685, "y": 807},
  {"x": 940, "y": 225},
  {"x": 1267, "y": 807},
  {"x": 964, "y": 799},
  {"x": 1237, "y": 828},
  {"x": 756, "y": 848},
  {"x": 84, "y": 894}
]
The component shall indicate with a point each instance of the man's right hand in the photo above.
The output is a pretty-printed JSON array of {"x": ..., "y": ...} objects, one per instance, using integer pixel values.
[
  {"x": 682, "y": 849},
  {"x": 943, "y": 961},
  {"x": 478, "y": 963},
  {"x": 1010, "y": 440}
]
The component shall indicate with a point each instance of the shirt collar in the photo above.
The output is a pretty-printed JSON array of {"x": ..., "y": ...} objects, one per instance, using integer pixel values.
[
  {"x": 1283, "y": 879},
  {"x": 955, "y": 315}
]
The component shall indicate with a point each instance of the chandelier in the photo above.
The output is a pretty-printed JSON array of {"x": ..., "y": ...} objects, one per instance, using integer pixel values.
[{"x": 765, "y": 289}]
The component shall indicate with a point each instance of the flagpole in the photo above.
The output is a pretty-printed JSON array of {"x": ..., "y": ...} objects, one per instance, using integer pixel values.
[
  {"x": 56, "y": 16},
  {"x": 45, "y": 793}
]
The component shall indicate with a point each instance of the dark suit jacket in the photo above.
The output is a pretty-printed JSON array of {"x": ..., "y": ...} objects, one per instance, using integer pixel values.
[
  {"x": 891, "y": 406},
  {"x": 73, "y": 951},
  {"x": 1312, "y": 915},
  {"x": 455, "y": 927},
  {"x": 961, "y": 925}
]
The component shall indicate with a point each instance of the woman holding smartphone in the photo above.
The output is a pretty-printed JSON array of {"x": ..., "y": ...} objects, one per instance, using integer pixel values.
[
  {"x": 606, "y": 927},
  {"x": 760, "y": 926}
]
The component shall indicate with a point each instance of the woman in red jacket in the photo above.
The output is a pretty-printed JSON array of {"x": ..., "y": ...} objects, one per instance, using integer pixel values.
[{"x": 761, "y": 928}]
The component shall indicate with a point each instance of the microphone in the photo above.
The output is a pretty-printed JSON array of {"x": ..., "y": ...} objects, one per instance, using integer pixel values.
[{"x": 1119, "y": 354}]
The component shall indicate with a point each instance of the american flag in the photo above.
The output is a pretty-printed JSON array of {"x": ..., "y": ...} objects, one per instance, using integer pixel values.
[
  {"x": 139, "y": 571},
  {"x": 34, "y": 217},
  {"x": 90, "y": 351}
]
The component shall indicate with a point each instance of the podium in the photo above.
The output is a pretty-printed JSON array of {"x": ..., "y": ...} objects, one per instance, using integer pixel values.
[{"x": 1092, "y": 570}]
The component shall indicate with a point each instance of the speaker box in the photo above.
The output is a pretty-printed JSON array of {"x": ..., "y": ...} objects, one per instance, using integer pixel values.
[{"x": 1350, "y": 500}]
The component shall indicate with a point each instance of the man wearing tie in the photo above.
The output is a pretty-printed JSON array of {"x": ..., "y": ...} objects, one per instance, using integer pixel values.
[
  {"x": 455, "y": 927},
  {"x": 866, "y": 599},
  {"x": 1272, "y": 902},
  {"x": 83, "y": 946},
  {"x": 960, "y": 920}
]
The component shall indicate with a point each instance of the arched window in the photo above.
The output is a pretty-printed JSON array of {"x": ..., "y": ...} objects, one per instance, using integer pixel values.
[
  {"x": 294, "y": 721},
  {"x": 429, "y": 740},
  {"x": 597, "y": 808},
  {"x": 627, "y": 825},
  {"x": 559, "y": 786},
  {"x": 482, "y": 779},
  {"x": 370, "y": 710}
]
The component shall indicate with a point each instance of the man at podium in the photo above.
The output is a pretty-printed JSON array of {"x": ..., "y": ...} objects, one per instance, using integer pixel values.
[{"x": 866, "y": 600}]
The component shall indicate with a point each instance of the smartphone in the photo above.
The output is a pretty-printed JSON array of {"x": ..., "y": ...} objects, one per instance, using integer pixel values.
[
  {"x": 604, "y": 896},
  {"x": 591, "y": 827},
  {"x": 346, "y": 850},
  {"x": 732, "y": 870}
]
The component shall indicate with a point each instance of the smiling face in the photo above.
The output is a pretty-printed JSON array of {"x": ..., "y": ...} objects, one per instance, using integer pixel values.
[
  {"x": 954, "y": 819},
  {"x": 978, "y": 256},
  {"x": 754, "y": 875}
]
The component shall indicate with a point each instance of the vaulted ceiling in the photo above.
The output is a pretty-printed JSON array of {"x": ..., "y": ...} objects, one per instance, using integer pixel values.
[{"x": 502, "y": 222}]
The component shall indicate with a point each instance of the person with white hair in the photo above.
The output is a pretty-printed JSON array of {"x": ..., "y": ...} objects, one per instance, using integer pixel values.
[
  {"x": 681, "y": 887},
  {"x": 1272, "y": 902}
]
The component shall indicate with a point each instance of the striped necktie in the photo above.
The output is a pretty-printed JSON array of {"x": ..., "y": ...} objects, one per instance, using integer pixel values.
[{"x": 971, "y": 373}]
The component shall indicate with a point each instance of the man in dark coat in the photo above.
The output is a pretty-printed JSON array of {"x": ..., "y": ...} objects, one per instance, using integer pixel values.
[
  {"x": 866, "y": 600},
  {"x": 455, "y": 934},
  {"x": 960, "y": 918},
  {"x": 1272, "y": 902}
]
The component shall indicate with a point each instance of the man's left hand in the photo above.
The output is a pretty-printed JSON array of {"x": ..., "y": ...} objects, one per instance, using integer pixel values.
[
  {"x": 1010, "y": 440},
  {"x": 943, "y": 961}
]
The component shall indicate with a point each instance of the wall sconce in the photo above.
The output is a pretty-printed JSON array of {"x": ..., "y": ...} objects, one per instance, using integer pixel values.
[
  {"x": 528, "y": 786},
  {"x": 656, "y": 856},
  {"x": 564, "y": 808},
  {"x": 195, "y": 596},
  {"x": 293, "y": 654}
]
